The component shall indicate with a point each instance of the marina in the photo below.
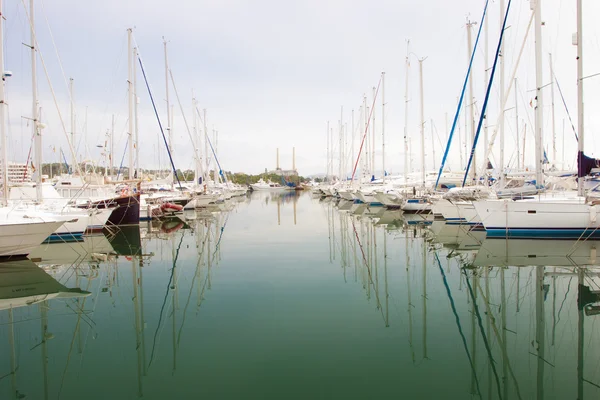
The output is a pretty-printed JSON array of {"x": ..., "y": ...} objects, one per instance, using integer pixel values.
[
  {"x": 336, "y": 304},
  {"x": 427, "y": 231}
]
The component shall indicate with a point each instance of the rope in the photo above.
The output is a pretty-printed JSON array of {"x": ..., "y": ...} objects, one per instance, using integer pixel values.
[
  {"x": 158, "y": 119},
  {"x": 462, "y": 96},
  {"x": 62, "y": 122},
  {"x": 196, "y": 156},
  {"x": 122, "y": 160},
  {"x": 366, "y": 131},
  {"x": 213, "y": 151},
  {"x": 487, "y": 94},
  {"x": 566, "y": 108}
]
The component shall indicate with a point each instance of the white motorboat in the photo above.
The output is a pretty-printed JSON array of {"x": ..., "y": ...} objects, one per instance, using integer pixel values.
[{"x": 262, "y": 185}]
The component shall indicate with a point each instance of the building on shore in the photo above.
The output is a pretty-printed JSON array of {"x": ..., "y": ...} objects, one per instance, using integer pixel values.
[{"x": 18, "y": 173}]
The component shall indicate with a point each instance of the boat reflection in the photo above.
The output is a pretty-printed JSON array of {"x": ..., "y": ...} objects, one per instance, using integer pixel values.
[
  {"x": 513, "y": 303},
  {"x": 23, "y": 283}
]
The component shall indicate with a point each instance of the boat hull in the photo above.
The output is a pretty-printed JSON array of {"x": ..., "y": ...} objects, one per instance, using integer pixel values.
[
  {"x": 19, "y": 239},
  {"x": 572, "y": 219},
  {"x": 127, "y": 212}
]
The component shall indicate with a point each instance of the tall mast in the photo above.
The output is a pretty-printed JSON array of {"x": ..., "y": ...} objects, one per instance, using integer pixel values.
[
  {"x": 366, "y": 155},
  {"x": 327, "y": 173},
  {"x": 471, "y": 101},
  {"x": 341, "y": 141},
  {"x": 383, "y": 125},
  {"x": 373, "y": 133},
  {"x": 486, "y": 67},
  {"x": 579, "y": 91},
  {"x": 135, "y": 110},
  {"x": 112, "y": 145},
  {"x": 432, "y": 144},
  {"x": 71, "y": 82},
  {"x": 422, "y": 122},
  {"x": 168, "y": 104},
  {"x": 539, "y": 113},
  {"x": 553, "y": 119},
  {"x": 215, "y": 172},
  {"x": 207, "y": 171},
  {"x": 517, "y": 125},
  {"x": 406, "y": 113},
  {"x": 2, "y": 104},
  {"x": 501, "y": 123},
  {"x": 352, "y": 147},
  {"x": 34, "y": 109},
  {"x": 198, "y": 169},
  {"x": 130, "y": 99}
]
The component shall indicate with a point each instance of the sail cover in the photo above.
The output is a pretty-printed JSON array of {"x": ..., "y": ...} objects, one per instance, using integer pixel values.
[{"x": 585, "y": 164}]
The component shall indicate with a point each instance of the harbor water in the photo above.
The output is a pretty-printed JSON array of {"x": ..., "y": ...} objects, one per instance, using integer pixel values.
[{"x": 281, "y": 295}]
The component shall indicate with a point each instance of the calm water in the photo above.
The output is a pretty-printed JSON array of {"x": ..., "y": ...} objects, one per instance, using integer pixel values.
[{"x": 298, "y": 298}]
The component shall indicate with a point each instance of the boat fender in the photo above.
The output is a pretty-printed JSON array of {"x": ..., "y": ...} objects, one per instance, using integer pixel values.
[{"x": 593, "y": 214}]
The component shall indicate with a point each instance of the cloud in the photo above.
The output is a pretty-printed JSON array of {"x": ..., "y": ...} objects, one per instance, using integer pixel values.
[{"x": 271, "y": 74}]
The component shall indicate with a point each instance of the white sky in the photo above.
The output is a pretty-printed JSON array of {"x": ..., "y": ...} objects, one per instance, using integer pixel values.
[{"x": 272, "y": 73}]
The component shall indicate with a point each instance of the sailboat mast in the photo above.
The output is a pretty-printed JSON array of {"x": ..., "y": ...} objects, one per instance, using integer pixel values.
[
  {"x": 422, "y": 123},
  {"x": 135, "y": 111},
  {"x": 432, "y": 144},
  {"x": 130, "y": 98},
  {"x": 471, "y": 101},
  {"x": 2, "y": 127},
  {"x": 539, "y": 109},
  {"x": 198, "y": 169},
  {"x": 383, "y": 126},
  {"x": 352, "y": 141},
  {"x": 486, "y": 67},
  {"x": 169, "y": 128},
  {"x": 207, "y": 171},
  {"x": 373, "y": 133},
  {"x": 406, "y": 113},
  {"x": 71, "y": 82},
  {"x": 552, "y": 101},
  {"x": 501, "y": 122},
  {"x": 366, "y": 155},
  {"x": 34, "y": 109},
  {"x": 517, "y": 125},
  {"x": 112, "y": 145},
  {"x": 580, "y": 127},
  {"x": 341, "y": 141},
  {"x": 328, "y": 150}
]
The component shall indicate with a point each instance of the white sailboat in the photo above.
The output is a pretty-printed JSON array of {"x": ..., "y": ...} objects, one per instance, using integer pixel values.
[
  {"x": 19, "y": 232},
  {"x": 548, "y": 215},
  {"x": 419, "y": 202}
]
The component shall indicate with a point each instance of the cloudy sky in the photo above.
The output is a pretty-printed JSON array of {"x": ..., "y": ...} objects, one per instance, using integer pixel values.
[{"x": 271, "y": 74}]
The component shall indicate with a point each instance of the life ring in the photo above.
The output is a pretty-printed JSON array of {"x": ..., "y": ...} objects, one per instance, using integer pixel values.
[{"x": 171, "y": 207}]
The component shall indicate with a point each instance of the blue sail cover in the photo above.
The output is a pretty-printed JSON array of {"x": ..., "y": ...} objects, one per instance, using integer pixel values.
[{"x": 585, "y": 164}]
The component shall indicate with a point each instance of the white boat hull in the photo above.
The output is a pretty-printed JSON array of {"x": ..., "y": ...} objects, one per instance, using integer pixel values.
[
  {"x": 542, "y": 219},
  {"x": 19, "y": 239}
]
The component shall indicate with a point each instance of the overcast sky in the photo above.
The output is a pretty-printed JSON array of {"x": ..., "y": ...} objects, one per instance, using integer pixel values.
[{"x": 272, "y": 73}]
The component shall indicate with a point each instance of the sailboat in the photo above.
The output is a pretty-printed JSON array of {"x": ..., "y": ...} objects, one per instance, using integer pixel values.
[
  {"x": 19, "y": 232},
  {"x": 553, "y": 215}
]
